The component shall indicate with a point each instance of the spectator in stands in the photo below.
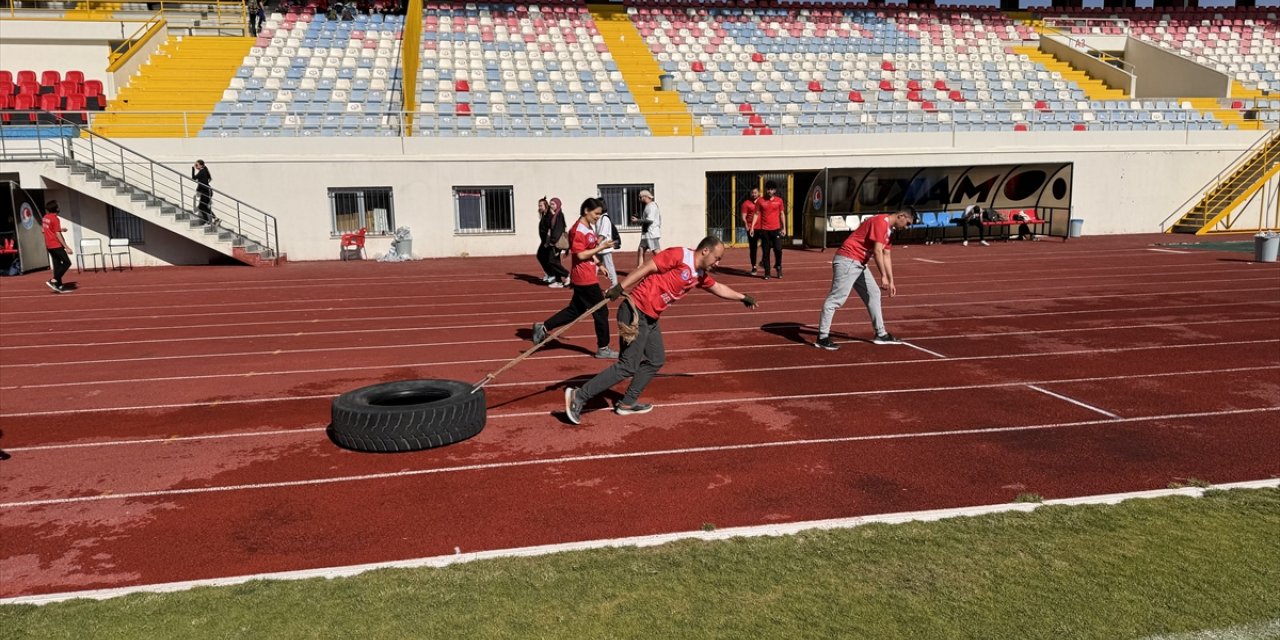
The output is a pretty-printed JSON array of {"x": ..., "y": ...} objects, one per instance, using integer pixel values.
[
  {"x": 749, "y": 220},
  {"x": 771, "y": 210},
  {"x": 668, "y": 277},
  {"x": 332, "y": 14},
  {"x": 256, "y": 16},
  {"x": 56, "y": 244},
  {"x": 973, "y": 218},
  {"x": 606, "y": 229},
  {"x": 584, "y": 245},
  {"x": 200, "y": 173},
  {"x": 557, "y": 241},
  {"x": 650, "y": 227},
  {"x": 850, "y": 271}
]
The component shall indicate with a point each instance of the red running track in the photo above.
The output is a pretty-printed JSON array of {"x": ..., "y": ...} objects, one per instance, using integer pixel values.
[{"x": 168, "y": 424}]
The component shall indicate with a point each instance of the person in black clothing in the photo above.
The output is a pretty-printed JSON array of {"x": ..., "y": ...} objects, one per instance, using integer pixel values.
[
  {"x": 973, "y": 218},
  {"x": 548, "y": 255},
  {"x": 200, "y": 173},
  {"x": 550, "y": 228}
]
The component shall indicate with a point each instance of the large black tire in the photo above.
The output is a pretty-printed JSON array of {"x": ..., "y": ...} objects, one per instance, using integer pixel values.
[{"x": 407, "y": 416}]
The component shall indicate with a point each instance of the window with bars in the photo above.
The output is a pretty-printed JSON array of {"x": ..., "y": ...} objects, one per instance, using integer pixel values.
[
  {"x": 483, "y": 210},
  {"x": 122, "y": 224},
  {"x": 623, "y": 202},
  {"x": 355, "y": 208}
]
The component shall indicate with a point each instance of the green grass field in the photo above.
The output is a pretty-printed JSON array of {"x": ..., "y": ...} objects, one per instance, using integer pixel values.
[{"x": 1171, "y": 567}]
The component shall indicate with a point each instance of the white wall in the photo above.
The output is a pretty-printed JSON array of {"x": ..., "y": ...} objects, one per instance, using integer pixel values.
[
  {"x": 62, "y": 45},
  {"x": 1125, "y": 182}
]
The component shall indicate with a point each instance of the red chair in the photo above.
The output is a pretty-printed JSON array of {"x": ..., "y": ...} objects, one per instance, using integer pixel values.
[
  {"x": 352, "y": 244},
  {"x": 93, "y": 95},
  {"x": 26, "y": 76},
  {"x": 6, "y": 76},
  {"x": 75, "y": 109},
  {"x": 463, "y": 109},
  {"x": 75, "y": 76},
  {"x": 27, "y": 103},
  {"x": 7, "y": 88},
  {"x": 28, "y": 89}
]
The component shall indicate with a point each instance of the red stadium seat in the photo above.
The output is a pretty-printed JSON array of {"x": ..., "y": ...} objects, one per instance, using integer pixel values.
[
  {"x": 814, "y": 85},
  {"x": 941, "y": 85},
  {"x": 463, "y": 109},
  {"x": 697, "y": 66},
  {"x": 1020, "y": 127},
  {"x": 25, "y": 102},
  {"x": 75, "y": 76},
  {"x": 50, "y": 78},
  {"x": 26, "y": 76},
  {"x": 886, "y": 85},
  {"x": 462, "y": 85},
  {"x": 855, "y": 96},
  {"x": 887, "y": 65},
  {"x": 745, "y": 108},
  {"x": 6, "y": 76}
]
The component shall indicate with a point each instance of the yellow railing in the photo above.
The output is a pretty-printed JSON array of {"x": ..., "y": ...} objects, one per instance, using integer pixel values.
[{"x": 124, "y": 52}]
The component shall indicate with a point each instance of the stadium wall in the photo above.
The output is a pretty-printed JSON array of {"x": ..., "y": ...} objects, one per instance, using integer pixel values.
[
  {"x": 1124, "y": 182},
  {"x": 63, "y": 45}
]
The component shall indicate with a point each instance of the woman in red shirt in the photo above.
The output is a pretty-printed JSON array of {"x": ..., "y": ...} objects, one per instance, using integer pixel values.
[{"x": 583, "y": 247}]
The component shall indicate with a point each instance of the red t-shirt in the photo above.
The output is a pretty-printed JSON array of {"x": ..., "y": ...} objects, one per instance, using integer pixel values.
[
  {"x": 51, "y": 225},
  {"x": 770, "y": 211},
  {"x": 677, "y": 275},
  {"x": 862, "y": 242},
  {"x": 748, "y": 212},
  {"x": 581, "y": 238}
]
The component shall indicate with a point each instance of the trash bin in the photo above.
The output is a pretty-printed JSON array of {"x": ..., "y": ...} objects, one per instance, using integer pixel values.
[
  {"x": 404, "y": 247},
  {"x": 1077, "y": 228},
  {"x": 664, "y": 82},
  {"x": 1266, "y": 246}
]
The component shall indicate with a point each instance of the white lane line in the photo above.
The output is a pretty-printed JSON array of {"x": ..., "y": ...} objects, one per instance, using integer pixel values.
[
  {"x": 843, "y": 394},
  {"x": 413, "y": 345},
  {"x": 536, "y": 295},
  {"x": 722, "y": 371},
  {"x": 728, "y": 533},
  {"x": 511, "y": 325},
  {"x": 930, "y": 261},
  {"x": 489, "y": 466},
  {"x": 1075, "y": 402},
  {"x": 535, "y": 313},
  {"x": 1167, "y": 250},
  {"x": 919, "y": 348}
]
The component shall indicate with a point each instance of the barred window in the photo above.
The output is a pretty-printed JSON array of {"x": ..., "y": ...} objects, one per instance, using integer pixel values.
[
  {"x": 483, "y": 210},
  {"x": 623, "y": 201},
  {"x": 356, "y": 208},
  {"x": 122, "y": 224}
]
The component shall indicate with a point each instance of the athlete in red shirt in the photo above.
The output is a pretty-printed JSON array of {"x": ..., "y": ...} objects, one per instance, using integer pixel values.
[
  {"x": 771, "y": 210},
  {"x": 583, "y": 247},
  {"x": 660, "y": 281},
  {"x": 749, "y": 220},
  {"x": 849, "y": 271},
  {"x": 51, "y": 224}
]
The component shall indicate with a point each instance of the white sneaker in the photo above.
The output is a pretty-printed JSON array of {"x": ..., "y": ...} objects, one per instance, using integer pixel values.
[
  {"x": 985, "y": 243},
  {"x": 965, "y": 243},
  {"x": 556, "y": 285}
]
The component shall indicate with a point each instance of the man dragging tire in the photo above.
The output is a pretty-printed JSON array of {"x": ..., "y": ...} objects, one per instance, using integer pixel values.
[
  {"x": 850, "y": 271},
  {"x": 658, "y": 282}
]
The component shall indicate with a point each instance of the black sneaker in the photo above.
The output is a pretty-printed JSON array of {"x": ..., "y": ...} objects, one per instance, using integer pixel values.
[
  {"x": 630, "y": 409},
  {"x": 539, "y": 333},
  {"x": 778, "y": 273},
  {"x": 886, "y": 338},
  {"x": 53, "y": 285},
  {"x": 753, "y": 270},
  {"x": 826, "y": 343},
  {"x": 572, "y": 407}
]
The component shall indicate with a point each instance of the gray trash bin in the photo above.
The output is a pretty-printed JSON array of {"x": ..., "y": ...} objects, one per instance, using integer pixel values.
[
  {"x": 1265, "y": 247},
  {"x": 664, "y": 82},
  {"x": 1077, "y": 228},
  {"x": 404, "y": 247}
]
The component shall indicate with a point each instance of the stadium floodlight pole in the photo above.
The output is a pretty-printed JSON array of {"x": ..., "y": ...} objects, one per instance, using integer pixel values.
[{"x": 409, "y": 56}]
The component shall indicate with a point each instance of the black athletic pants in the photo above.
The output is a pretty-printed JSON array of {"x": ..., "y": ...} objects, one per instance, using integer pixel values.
[
  {"x": 584, "y": 297},
  {"x": 770, "y": 241},
  {"x": 549, "y": 258},
  {"x": 60, "y": 264},
  {"x": 982, "y": 230},
  {"x": 753, "y": 241}
]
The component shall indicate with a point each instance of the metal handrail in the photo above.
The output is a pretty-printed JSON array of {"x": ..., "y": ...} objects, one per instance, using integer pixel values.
[
  {"x": 1080, "y": 44},
  {"x": 61, "y": 139},
  {"x": 1217, "y": 180}
]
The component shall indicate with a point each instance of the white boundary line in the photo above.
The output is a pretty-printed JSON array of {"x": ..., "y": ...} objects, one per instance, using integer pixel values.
[
  {"x": 398, "y": 346},
  {"x": 994, "y": 385},
  {"x": 1074, "y": 401},
  {"x": 790, "y": 528},
  {"x": 832, "y": 365},
  {"x": 655, "y": 453},
  {"x": 535, "y": 295},
  {"x": 513, "y": 325},
  {"x": 919, "y": 348},
  {"x": 544, "y": 311},
  {"x": 1166, "y": 250},
  {"x": 930, "y": 261}
]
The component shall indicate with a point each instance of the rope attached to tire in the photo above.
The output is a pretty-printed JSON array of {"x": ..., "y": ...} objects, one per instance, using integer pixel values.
[{"x": 627, "y": 332}]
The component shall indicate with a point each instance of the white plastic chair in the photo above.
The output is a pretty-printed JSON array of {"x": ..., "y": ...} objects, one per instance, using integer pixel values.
[
  {"x": 119, "y": 247},
  {"x": 90, "y": 248}
]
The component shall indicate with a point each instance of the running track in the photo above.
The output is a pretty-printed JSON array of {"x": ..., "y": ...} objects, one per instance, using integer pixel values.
[{"x": 168, "y": 424}]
